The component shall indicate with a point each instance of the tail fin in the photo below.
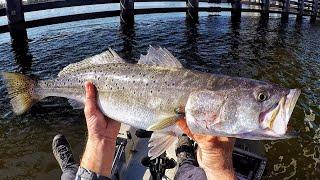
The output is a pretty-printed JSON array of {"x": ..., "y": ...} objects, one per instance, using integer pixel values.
[{"x": 21, "y": 91}]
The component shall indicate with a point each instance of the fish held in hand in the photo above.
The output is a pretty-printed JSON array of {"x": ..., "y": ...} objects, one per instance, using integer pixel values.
[{"x": 157, "y": 91}]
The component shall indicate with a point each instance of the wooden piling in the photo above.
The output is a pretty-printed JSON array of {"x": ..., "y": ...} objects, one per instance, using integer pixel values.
[
  {"x": 301, "y": 9},
  {"x": 127, "y": 11},
  {"x": 193, "y": 9},
  {"x": 315, "y": 8},
  {"x": 285, "y": 9},
  {"x": 236, "y": 8},
  {"x": 265, "y": 6},
  {"x": 16, "y": 22}
]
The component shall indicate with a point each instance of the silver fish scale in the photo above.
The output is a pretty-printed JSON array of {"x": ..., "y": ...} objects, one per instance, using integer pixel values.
[{"x": 158, "y": 90}]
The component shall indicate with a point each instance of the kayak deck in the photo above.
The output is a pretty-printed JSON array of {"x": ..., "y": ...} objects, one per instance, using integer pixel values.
[{"x": 248, "y": 157}]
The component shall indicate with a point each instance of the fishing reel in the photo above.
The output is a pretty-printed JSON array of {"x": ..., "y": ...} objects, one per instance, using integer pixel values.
[{"x": 159, "y": 165}]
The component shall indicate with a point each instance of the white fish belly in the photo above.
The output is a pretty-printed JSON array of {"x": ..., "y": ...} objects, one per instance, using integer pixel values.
[{"x": 132, "y": 114}]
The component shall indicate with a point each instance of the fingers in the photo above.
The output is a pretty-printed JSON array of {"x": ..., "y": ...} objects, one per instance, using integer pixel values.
[
  {"x": 207, "y": 141},
  {"x": 184, "y": 127},
  {"x": 91, "y": 99}
]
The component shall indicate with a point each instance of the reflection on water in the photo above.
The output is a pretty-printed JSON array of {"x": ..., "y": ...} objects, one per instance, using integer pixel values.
[
  {"x": 283, "y": 52},
  {"x": 235, "y": 33},
  {"x": 21, "y": 54},
  {"x": 127, "y": 34},
  {"x": 191, "y": 35}
]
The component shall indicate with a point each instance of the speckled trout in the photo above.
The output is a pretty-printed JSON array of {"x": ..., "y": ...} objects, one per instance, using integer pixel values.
[{"x": 157, "y": 91}]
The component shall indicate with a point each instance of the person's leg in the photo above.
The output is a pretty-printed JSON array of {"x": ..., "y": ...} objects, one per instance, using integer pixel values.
[
  {"x": 63, "y": 154},
  {"x": 188, "y": 166},
  {"x": 70, "y": 173},
  {"x": 188, "y": 170}
]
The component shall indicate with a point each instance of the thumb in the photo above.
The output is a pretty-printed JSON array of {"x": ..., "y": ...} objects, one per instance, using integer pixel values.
[
  {"x": 91, "y": 99},
  {"x": 184, "y": 127}
]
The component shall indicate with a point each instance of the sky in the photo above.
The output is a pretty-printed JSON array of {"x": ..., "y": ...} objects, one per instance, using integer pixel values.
[{"x": 3, "y": 1}]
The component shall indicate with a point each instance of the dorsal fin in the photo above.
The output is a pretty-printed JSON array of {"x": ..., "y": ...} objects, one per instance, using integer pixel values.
[
  {"x": 109, "y": 56},
  {"x": 160, "y": 57}
]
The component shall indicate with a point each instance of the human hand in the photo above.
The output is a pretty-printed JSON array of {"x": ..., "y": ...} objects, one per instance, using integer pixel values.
[
  {"x": 99, "y": 126},
  {"x": 102, "y": 135},
  {"x": 214, "y": 154}
]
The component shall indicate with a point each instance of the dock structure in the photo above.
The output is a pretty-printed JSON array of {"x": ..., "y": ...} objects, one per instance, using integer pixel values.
[
  {"x": 285, "y": 9},
  {"x": 236, "y": 7},
  {"x": 265, "y": 7},
  {"x": 301, "y": 9},
  {"x": 315, "y": 10},
  {"x": 127, "y": 11},
  {"x": 193, "y": 9},
  {"x": 17, "y": 25},
  {"x": 16, "y": 22}
]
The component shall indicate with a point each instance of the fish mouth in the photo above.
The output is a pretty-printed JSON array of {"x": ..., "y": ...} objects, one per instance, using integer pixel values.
[{"x": 274, "y": 121}]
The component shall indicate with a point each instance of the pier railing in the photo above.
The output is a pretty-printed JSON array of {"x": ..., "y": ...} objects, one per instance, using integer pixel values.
[
  {"x": 16, "y": 23},
  {"x": 303, "y": 7}
]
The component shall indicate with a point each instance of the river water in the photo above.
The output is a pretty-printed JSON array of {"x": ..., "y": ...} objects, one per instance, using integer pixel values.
[{"x": 284, "y": 53}]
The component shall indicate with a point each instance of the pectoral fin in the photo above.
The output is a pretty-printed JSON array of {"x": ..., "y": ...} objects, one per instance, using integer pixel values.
[
  {"x": 160, "y": 142},
  {"x": 166, "y": 122},
  {"x": 76, "y": 104}
]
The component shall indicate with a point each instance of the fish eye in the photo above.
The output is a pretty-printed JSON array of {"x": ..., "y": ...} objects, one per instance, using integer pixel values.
[{"x": 262, "y": 96}]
